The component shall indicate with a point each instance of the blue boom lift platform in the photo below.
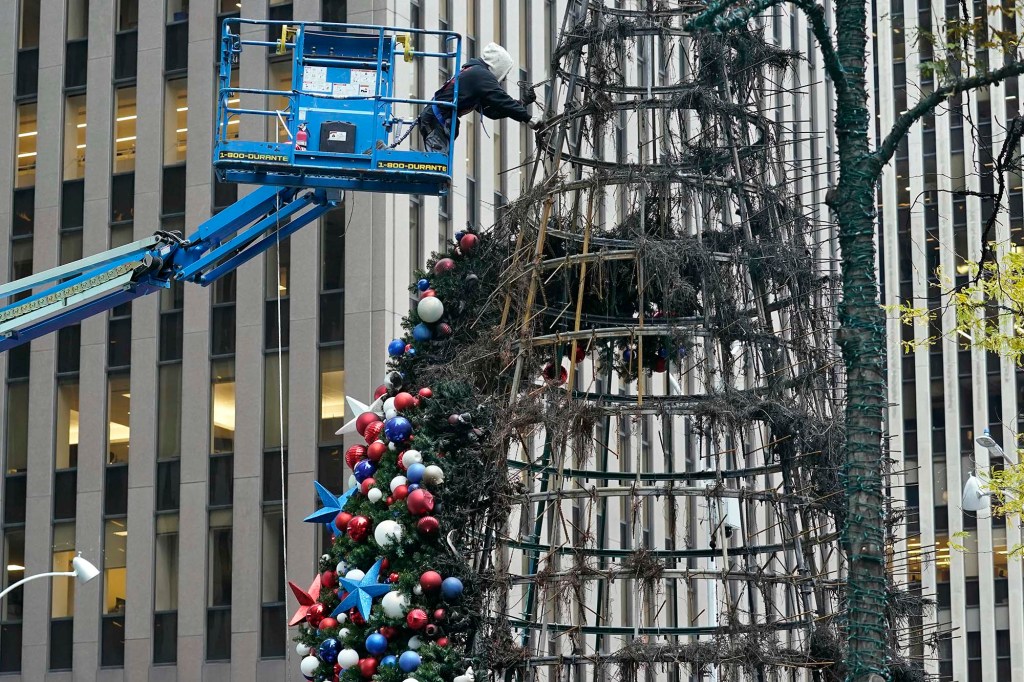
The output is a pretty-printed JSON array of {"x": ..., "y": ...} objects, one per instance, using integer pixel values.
[{"x": 342, "y": 131}]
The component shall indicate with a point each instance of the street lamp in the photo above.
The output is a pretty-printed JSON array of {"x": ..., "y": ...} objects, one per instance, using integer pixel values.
[
  {"x": 974, "y": 499},
  {"x": 83, "y": 572}
]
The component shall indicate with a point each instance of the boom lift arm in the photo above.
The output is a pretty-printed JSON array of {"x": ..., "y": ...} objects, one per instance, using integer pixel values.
[{"x": 92, "y": 285}]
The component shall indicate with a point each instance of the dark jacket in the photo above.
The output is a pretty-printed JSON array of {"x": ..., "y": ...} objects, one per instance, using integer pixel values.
[{"x": 480, "y": 90}]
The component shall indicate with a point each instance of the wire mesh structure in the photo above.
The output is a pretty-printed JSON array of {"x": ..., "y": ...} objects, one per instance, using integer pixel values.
[{"x": 674, "y": 420}]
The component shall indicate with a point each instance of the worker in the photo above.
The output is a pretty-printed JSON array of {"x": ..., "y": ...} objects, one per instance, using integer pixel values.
[{"x": 479, "y": 90}]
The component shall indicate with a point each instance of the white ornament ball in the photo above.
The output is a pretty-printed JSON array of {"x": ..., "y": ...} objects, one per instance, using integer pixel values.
[
  {"x": 417, "y": 590},
  {"x": 348, "y": 658},
  {"x": 325, "y": 557},
  {"x": 430, "y": 309},
  {"x": 433, "y": 475},
  {"x": 389, "y": 404},
  {"x": 395, "y": 604},
  {"x": 392, "y": 447},
  {"x": 302, "y": 650},
  {"x": 387, "y": 533},
  {"x": 390, "y": 414},
  {"x": 397, "y": 481},
  {"x": 309, "y": 665},
  {"x": 341, "y": 568},
  {"x": 411, "y": 457},
  {"x": 375, "y": 495},
  {"x": 341, "y": 618},
  {"x": 352, "y": 482},
  {"x": 411, "y": 679},
  {"x": 466, "y": 676},
  {"x": 355, "y": 574},
  {"x": 344, "y": 632},
  {"x": 415, "y": 642}
]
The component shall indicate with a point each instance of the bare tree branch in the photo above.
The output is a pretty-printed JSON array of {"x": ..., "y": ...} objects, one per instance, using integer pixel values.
[{"x": 927, "y": 105}]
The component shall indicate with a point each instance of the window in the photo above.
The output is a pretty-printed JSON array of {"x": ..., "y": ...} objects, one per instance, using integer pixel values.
[
  {"x": 27, "y": 133},
  {"x": 78, "y": 19},
  {"x": 335, "y": 11},
  {"x": 62, "y": 597},
  {"x": 17, "y": 428},
  {"x": 28, "y": 25},
  {"x": 172, "y": 202},
  {"x": 124, "y": 129},
  {"x": 177, "y": 10},
  {"x": 279, "y": 78},
  {"x": 74, "y": 137},
  {"x": 222, "y": 316},
  {"x": 175, "y": 121},
  {"x": 11, "y": 608},
  {"x": 165, "y": 590},
  {"x": 221, "y": 480},
  {"x": 416, "y": 260},
  {"x": 218, "y": 588},
  {"x": 273, "y": 632},
  {"x": 222, "y": 418},
  {"x": 169, "y": 412},
  {"x": 275, "y": 401},
  {"x": 122, "y": 205},
  {"x": 332, "y": 393},
  {"x": 115, "y": 540},
  {"x": 69, "y": 345},
  {"x": 67, "y": 425},
  {"x": 127, "y": 15},
  {"x": 118, "y": 411}
]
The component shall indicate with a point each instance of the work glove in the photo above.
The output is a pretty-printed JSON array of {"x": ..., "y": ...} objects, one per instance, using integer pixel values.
[
  {"x": 529, "y": 96},
  {"x": 536, "y": 121}
]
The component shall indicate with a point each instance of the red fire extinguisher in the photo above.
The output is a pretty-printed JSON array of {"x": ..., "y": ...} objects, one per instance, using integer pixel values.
[{"x": 301, "y": 138}]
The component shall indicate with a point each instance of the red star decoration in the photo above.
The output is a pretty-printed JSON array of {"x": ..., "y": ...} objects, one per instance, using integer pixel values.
[{"x": 305, "y": 599}]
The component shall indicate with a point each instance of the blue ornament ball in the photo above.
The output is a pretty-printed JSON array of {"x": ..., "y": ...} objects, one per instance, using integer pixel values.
[
  {"x": 364, "y": 469},
  {"x": 396, "y": 347},
  {"x": 409, "y": 661},
  {"x": 415, "y": 472},
  {"x": 423, "y": 284},
  {"x": 627, "y": 355},
  {"x": 451, "y": 588},
  {"x": 328, "y": 650},
  {"x": 397, "y": 429},
  {"x": 459, "y": 235},
  {"x": 662, "y": 353},
  {"x": 421, "y": 332},
  {"x": 414, "y": 486},
  {"x": 411, "y": 352},
  {"x": 376, "y": 644},
  {"x": 389, "y": 660}
]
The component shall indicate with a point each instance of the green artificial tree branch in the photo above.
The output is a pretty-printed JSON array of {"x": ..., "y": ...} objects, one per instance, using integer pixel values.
[{"x": 927, "y": 105}]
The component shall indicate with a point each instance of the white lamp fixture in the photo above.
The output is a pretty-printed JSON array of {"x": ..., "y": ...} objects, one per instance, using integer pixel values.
[
  {"x": 974, "y": 500},
  {"x": 83, "y": 572}
]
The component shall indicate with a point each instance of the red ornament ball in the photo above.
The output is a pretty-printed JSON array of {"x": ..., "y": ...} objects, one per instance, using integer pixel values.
[
  {"x": 385, "y": 564},
  {"x": 430, "y": 630},
  {"x": 431, "y": 581},
  {"x": 389, "y": 500},
  {"x": 329, "y": 579},
  {"x": 315, "y": 614},
  {"x": 376, "y": 450},
  {"x": 359, "y": 528},
  {"x": 442, "y": 641},
  {"x": 416, "y": 619},
  {"x": 428, "y": 293},
  {"x": 356, "y": 617},
  {"x": 401, "y": 492},
  {"x": 393, "y": 578},
  {"x": 420, "y": 502},
  {"x": 444, "y": 330},
  {"x": 428, "y": 525},
  {"x": 549, "y": 373},
  {"x": 381, "y": 390},
  {"x": 581, "y": 353},
  {"x": 439, "y": 614},
  {"x": 341, "y": 520},
  {"x": 328, "y": 623},
  {"x": 367, "y": 483},
  {"x": 404, "y": 401},
  {"x": 367, "y": 667},
  {"x": 373, "y": 431},
  {"x": 444, "y": 265},
  {"x": 389, "y": 632},
  {"x": 468, "y": 242},
  {"x": 659, "y": 365},
  {"x": 426, "y": 393},
  {"x": 354, "y": 454},
  {"x": 364, "y": 420}
]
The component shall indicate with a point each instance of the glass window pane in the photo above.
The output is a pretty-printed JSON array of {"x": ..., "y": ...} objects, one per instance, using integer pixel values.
[
  {"x": 78, "y": 19},
  {"x": 218, "y": 634},
  {"x": 67, "y": 425},
  {"x": 332, "y": 393},
  {"x": 272, "y": 475},
  {"x": 13, "y": 571},
  {"x": 62, "y": 598},
  {"x": 27, "y": 134},
  {"x": 271, "y": 337},
  {"x": 17, "y": 427},
  {"x": 176, "y": 121},
  {"x": 273, "y": 557},
  {"x": 165, "y": 575},
  {"x": 332, "y": 265},
  {"x": 168, "y": 485},
  {"x": 15, "y": 493},
  {"x": 169, "y": 413},
  {"x": 222, "y": 423},
  {"x": 28, "y": 23},
  {"x": 275, "y": 401},
  {"x": 127, "y": 14},
  {"x": 221, "y": 479},
  {"x": 124, "y": 129},
  {"x": 74, "y": 137},
  {"x": 62, "y": 631},
  {"x": 118, "y": 411},
  {"x": 115, "y": 543},
  {"x": 278, "y": 265},
  {"x": 219, "y": 576},
  {"x": 332, "y": 317},
  {"x": 70, "y": 246},
  {"x": 122, "y": 207},
  {"x": 165, "y": 637}
]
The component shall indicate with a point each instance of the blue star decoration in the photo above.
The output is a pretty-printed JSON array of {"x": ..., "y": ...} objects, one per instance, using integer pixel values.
[
  {"x": 332, "y": 506},
  {"x": 361, "y": 594}
]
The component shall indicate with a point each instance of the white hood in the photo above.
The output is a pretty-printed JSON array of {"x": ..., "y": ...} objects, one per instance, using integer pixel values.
[{"x": 498, "y": 60}]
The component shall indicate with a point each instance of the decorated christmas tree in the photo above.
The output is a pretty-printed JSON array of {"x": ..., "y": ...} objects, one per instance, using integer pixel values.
[{"x": 397, "y": 597}]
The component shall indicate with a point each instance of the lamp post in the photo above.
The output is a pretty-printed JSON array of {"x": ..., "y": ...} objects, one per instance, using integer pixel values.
[
  {"x": 974, "y": 498},
  {"x": 83, "y": 572}
]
